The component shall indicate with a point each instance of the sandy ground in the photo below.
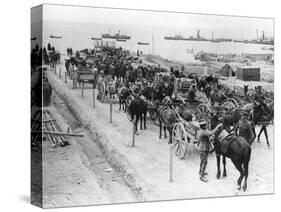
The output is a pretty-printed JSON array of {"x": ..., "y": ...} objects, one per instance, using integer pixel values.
[
  {"x": 75, "y": 175},
  {"x": 150, "y": 157}
]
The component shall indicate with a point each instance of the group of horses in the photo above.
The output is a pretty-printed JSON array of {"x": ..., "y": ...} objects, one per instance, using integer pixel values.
[{"x": 136, "y": 99}]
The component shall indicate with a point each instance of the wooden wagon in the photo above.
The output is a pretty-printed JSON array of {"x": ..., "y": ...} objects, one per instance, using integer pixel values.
[
  {"x": 85, "y": 75},
  {"x": 184, "y": 133}
]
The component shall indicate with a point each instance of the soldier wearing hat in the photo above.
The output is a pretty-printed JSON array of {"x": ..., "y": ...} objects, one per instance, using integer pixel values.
[
  {"x": 244, "y": 128},
  {"x": 137, "y": 89},
  {"x": 258, "y": 97},
  {"x": 204, "y": 148}
]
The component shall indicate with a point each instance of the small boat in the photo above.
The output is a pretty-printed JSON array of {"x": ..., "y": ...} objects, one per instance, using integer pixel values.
[
  {"x": 93, "y": 38},
  {"x": 189, "y": 51},
  {"x": 121, "y": 40},
  {"x": 34, "y": 38},
  {"x": 52, "y": 36},
  {"x": 143, "y": 43}
]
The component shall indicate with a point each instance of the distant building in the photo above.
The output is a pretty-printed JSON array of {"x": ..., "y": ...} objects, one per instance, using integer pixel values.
[
  {"x": 248, "y": 74},
  {"x": 227, "y": 71},
  {"x": 257, "y": 57}
]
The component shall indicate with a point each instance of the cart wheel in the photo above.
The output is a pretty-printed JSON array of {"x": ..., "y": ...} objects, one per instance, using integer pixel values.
[
  {"x": 179, "y": 140},
  {"x": 228, "y": 106},
  {"x": 233, "y": 101},
  {"x": 202, "y": 112}
]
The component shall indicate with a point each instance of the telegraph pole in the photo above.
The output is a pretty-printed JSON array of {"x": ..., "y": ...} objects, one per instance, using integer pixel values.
[{"x": 152, "y": 44}]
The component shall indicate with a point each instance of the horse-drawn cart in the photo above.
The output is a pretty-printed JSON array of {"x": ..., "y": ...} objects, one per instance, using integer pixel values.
[{"x": 183, "y": 133}]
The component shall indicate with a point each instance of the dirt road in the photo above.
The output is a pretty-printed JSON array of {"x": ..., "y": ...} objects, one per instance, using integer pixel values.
[{"x": 79, "y": 174}]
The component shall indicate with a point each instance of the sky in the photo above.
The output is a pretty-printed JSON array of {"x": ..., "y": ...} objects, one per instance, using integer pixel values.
[{"x": 223, "y": 26}]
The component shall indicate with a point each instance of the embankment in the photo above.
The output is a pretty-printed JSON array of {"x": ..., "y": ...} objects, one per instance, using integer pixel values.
[{"x": 101, "y": 134}]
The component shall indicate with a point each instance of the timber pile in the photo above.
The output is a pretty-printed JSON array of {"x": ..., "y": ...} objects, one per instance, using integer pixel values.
[
  {"x": 44, "y": 123},
  {"x": 36, "y": 126},
  {"x": 50, "y": 125}
]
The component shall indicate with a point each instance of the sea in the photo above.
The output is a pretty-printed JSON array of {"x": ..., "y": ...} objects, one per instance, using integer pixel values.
[{"x": 78, "y": 36}]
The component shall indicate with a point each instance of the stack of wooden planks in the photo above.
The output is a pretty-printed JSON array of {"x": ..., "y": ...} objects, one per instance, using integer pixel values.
[{"x": 44, "y": 123}]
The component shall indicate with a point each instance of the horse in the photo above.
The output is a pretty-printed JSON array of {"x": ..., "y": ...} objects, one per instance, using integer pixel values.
[
  {"x": 246, "y": 89},
  {"x": 138, "y": 108},
  {"x": 237, "y": 149},
  {"x": 123, "y": 93},
  {"x": 261, "y": 113},
  {"x": 167, "y": 116}
]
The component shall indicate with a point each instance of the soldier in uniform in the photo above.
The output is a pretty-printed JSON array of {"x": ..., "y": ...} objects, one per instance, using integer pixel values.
[
  {"x": 258, "y": 97},
  {"x": 204, "y": 148},
  {"x": 244, "y": 128},
  {"x": 137, "y": 90}
]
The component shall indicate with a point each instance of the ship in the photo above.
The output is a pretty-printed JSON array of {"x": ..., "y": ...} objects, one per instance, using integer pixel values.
[
  {"x": 52, "y": 36},
  {"x": 121, "y": 40},
  {"x": 219, "y": 40},
  {"x": 143, "y": 43},
  {"x": 260, "y": 40},
  {"x": 116, "y": 36},
  {"x": 93, "y": 38},
  {"x": 190, "y": 38}
]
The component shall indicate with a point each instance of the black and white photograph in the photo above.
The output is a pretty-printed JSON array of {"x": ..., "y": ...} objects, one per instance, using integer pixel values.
[{"x": 131, "y": 105}]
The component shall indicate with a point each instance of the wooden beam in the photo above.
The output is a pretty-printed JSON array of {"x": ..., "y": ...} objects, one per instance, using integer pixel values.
[{"x": 57, "y": 133}]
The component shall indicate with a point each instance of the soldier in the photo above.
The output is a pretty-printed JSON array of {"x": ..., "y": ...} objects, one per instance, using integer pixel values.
[
  {"x": 192, "y": 93},
  {"x": 258, "y": 97},
  {"x": 244, "y": 128},
  {"x": 204, "y": 148},
  {"x": 137, "y": 89}
]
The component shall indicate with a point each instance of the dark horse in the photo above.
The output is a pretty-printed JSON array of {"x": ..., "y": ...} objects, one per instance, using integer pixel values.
[
  {"x": 123, "y": 93},
  {"x": 138, "y": 108},
  {"x": 237, "y": 149},
  {"x": 261, "y": 114},
  {"x": 166, "y": 116}
]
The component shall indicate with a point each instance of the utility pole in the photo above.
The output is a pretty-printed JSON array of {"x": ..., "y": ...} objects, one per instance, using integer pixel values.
[{"x": 153, "y": 44}]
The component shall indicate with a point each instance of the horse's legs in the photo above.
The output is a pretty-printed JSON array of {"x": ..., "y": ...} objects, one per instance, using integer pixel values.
[
  {"x": 141, "y": 121},
  {"x": 123, "y": 105},
  {"x": 266, "y": 136},
  {"x": 170, "y": 135},
  {"x": 246, "y": 165},
  {"x": 224, "y": 169},
  {"x": 144, "y": 119},
  {"x": 160, "y": 129},
  {"x": 136, "y": 124},
  {"x": 261, "y": 130},
  {"x": 238, "y": 166},
  {"x": 218, "y": 165},
  {"x": 165, "y": 134},
  {"x": 120, "y": 103},
  {"x": 254, "y": 131}
]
